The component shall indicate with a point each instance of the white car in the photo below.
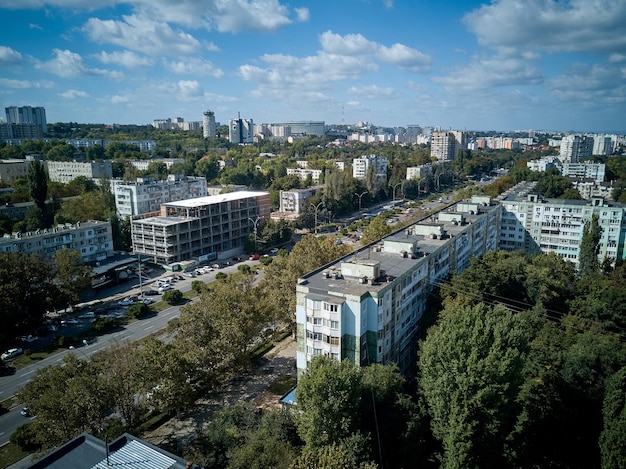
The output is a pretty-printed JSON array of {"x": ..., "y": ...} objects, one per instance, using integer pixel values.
[
  {"x": 126, "y": 302},
  {"x": 273, "y": 250},
  {"x": 11, "y": 353},
  {"x": 165, "y": 287}
]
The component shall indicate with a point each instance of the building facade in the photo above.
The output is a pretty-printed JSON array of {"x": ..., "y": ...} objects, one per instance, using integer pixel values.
[
  {"x": 241, "y": 131},
  {"x": 418, "y": 171},
  {"x": 304, "y": 173},
  {"x": 556, "y": 225},
  {"x": 13, "y": 169},
  {"x": 199, "y": 229},
  {"x": 92, "y": 239},
  {"x": 208, "y": 124},
  {"x": 378, "y": 163},
  {"x": 366, "y": 306},
  {"x": 304, "y": 127},
  {"x": 442, "y": 146},
  {"x": 66, "y": 171},
  {"x": 28, "y": 115},
  {"x": 575, "y": 147},
  {"x": 146, "y": 195},
  {"x": 294, "y": 201}
]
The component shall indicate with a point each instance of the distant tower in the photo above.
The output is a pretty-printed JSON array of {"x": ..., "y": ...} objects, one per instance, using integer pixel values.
[{"x": 208, "y": 124}]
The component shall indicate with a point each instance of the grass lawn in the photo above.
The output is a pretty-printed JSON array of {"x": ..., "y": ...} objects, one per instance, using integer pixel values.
[{"x": 10, "y": 454}]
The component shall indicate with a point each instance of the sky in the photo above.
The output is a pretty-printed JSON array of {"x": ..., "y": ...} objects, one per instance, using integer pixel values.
[{"x": 455, "y": 64}]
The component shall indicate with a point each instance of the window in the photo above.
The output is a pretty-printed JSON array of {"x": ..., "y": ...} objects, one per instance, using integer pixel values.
[
  {"x": 317, "y": 321},
  {"x": 334, "y": 324},
  {"x": 333, "y": 308}
]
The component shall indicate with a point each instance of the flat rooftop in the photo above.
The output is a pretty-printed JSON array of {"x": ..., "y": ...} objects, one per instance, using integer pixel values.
[{"x": 215, "y": 199}]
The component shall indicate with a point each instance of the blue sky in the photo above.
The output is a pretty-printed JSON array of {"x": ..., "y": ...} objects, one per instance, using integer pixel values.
[{"x": 502, "y": 65}]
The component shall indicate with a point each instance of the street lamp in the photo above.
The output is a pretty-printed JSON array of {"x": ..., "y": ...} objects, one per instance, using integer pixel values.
[
  {"x": 439, "y": 180},
  {"x": 255, "y": 221},
  {"x": 360, "y": 196},
  {"x": 316, "y": 207},
  {"x": 394, "y": 191}
]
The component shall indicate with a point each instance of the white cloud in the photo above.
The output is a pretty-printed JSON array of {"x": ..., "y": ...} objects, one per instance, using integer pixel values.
[
  {"x": 489, "y": 73},
  {"x": 358, "y": 45},
  {"x": 189, "y": 89},
  {"x": 73, "y": 94},
  {"x": 617, "y": 58},
  {"x": 141, "y": 35},
  {"x": 35, "y": 26},
  {"x": 25, "y": 84},
  {"x": 193, "y": 66},
  {"x": 68, "y": 64},
  {"x": 119, "y": 99},
  {"x": 248, "y": 15},
  {"x": 590, "y": 83},
  {"x": 302, "y": 15},
  {"x": 10, "y": 56},
  {"x": 125, "y": 58},
  {"x": 388, "y": 4},
  {"x": 595, "y": 26},
  {"x": 372, "y": 91}
]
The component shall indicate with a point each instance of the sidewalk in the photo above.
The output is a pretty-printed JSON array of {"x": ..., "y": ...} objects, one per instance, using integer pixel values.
[{"x": 180, "y": 432}]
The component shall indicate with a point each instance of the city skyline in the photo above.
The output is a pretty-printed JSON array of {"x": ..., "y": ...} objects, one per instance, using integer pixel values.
[{"x": 462, "y": 65}]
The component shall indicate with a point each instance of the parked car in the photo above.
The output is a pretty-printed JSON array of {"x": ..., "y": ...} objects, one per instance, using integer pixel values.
[
  {"x": 11, "y": 353},
  {"x": 191, "y": 274},
  {"x": 66, "y": 322},
  {"x": 254, "y": 257},
  {"x": 150, "y": 293},
  {"x": 126, "y": 302},
  {"x": 165, "y": 287},
  {"x": 28, "y": 338},
  {"x": 148, "y": 301},
  {"x": 273, "y": 250}
]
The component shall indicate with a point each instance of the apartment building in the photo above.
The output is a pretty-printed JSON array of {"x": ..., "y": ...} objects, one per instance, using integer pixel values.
[
  {"x": 66, "y": 171},
  {"x": 575, "y": 147},
  {"x": 294, "y": 201},
  {"x": 556, "y": 225},
  {"x": 13, "y": 169},
  {"x": 146, "y": 195},
  {"x": 209, "y": 128},
  {"x": 199, "y": 229},
  {"x": 595, "y": 171},
  {"x": 378, "y": 163},
  {"x": 92, "y": 239},
  {"x": 241, "y": 131},
  {"x": 418, "y": 171},
  {"x": 304, "y": 173},
  {"x": 28, "y": 116},
  {"x": 366, "y": 306},
  {"x": 142, "y": 165}
]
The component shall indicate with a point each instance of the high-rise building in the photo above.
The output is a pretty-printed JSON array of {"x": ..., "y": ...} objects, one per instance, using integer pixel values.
[
  {"x": 361, "y": 165},
  {"x": 35, "y": 116},
  {"x": 241, "y": 130},
  {"x": 575, "y": 147},
  {"x": 602, "y": 145},
  {"x": 208, "y": 124},
  {"x": 442, "y": 145}
]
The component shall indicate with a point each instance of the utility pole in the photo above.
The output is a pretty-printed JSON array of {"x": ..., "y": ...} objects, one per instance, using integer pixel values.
[
  {"x": 316, "y": 207},
  {"x": 255, "y": 221}
]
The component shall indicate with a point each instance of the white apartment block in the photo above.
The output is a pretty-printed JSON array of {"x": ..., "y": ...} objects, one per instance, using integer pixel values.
[
  {"x": 595, "y": 171},
  {"x": 443, "y": 146},
  {"x": 142, "y": 165},
  {"x": 543, "y": 164},
  {"x": 206, "y": 228},
  {"x": 146, "y": 195},
  {"x": 602, "y": 145},
  {"x": 575, "y": 147},
  {"x": 366, "y": 306},
  {"x": 92, "y": 239},
  {"x": 418, "y": 171},
  {"x": 209, "y": 128},
  {"x": 294, "y": 201},
  {"x": 378, "y": 163},
  {"x": 304, "y": 127},
  {"x": 589, "y": 188},
  {"x": 66, "y": 171},
  {"x": 556, "y": 225},
  {"x": 13, "y": 169},
  {"x": 304, "y": 173}
]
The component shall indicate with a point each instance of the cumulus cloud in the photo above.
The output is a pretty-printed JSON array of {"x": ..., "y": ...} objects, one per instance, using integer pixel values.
[
  {"x": 24, "y": 84},
  {"x": 68, "y": 64},
  {"x": 120, "y": 99},
  {"x": 141, "y": 35},
  {"x": 73, "y": 94},
  {"x": 35, "y": 26},
  {"x": 302, "y": 14},
  {"x": 595, "y": 26},
  {"x": 124, "y": 58},
  {"x": 358, "y": 45},
  {"x": 372, "y": 91},
  {"x": 10, "y": 56},
  {"x": 189, "y": 89},
  {"x": 590, "y": 83},
  {"x": 193, "y": 66},
  {"x": 489, "y": 73}
]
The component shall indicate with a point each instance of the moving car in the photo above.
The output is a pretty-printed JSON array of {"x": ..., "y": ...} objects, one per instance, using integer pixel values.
[
  {"x": 165, "y": 287},
  {"x": 254, "y": 257},
  {"x": 11, "y": 353},
  {"x": 25, "y": 411},
  {"x": 65, "y": 322}
]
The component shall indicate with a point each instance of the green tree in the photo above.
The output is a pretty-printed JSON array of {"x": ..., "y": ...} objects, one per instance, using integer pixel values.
[
  {"x": 471, "y": 371},
  {"x": 172, "y": 296},
  {"x": 329, "y": 399},
  {"x": 38, "y": 184},
  {"x": 376, "y": 229},
  {"x": 612, "y": 442},
  {"x": 588, "y": 263},
  {"x": 71, "y": 276},
  {"x": 67, "y": 400}
]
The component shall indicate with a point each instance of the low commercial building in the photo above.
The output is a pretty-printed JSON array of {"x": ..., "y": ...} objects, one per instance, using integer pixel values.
[
  {"x": 92, "y": 239},
  {"x": 66, "y": 171},
  {"x": 366, "y": 306},
  {"x": 200, "y": 229}
]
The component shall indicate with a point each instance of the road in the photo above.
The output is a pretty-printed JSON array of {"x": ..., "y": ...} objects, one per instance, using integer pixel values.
[{"x": 11, "y": 384}]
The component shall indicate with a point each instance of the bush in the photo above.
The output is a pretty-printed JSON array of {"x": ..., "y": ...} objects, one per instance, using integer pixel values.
[
  {"x": 198, "y": 286},
  {"x": 26, "y": 438},
  {"x": 103, "y": 324},
  {"x": 266, "y": 260},
  {"x": 244, "y": 268},
  {"x": 138, "y": 310},
  {"x": 172, "y": 296},
  {"x": 220, "y": 276},
  {"x": 28, "y": 352}
]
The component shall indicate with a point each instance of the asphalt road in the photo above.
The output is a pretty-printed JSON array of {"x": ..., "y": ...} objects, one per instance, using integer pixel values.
[{"x": 11, "y": 384}]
